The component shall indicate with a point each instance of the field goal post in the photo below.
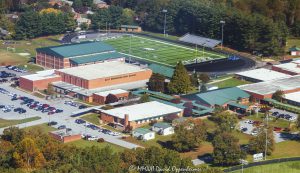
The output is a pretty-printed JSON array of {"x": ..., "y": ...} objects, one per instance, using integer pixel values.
[{"x": 10, "y": 49}]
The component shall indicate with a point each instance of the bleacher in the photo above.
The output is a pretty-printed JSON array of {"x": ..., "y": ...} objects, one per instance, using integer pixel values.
[{"x": 198, "y": 40}]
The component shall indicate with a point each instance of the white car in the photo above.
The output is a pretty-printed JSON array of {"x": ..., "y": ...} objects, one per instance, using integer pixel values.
[{"x": 92, "y": 138}]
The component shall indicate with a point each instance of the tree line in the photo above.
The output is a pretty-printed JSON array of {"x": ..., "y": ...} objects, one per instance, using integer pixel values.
[{"x": 34, "y": 151}]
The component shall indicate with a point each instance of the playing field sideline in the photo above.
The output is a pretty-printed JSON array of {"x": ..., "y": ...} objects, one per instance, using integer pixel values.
[{"x": 159, "y": 51}]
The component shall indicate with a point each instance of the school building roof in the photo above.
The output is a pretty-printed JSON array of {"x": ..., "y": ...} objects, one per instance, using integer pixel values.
[
  {"x": 293, "y": 96},
  {"x": 262, "y": 74},
  {"x": 219, "y": 96},
  {"x": 96, "y": 57},
  {"x": 76, "y": 49},
  {"x": 106, "y": 93},
  {"x": 161, "y": 69},
  {"x": 238, "y": 105},
  {"x": 143, "y": 111},
  {"x": 41, "y": 75},
  {"x": 101, "y": 70},
  {"x": 291, "y": 66},
  {"x": 270, "y": 87}
]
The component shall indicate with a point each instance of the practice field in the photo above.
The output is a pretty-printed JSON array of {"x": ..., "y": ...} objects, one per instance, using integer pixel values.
[{"x": 161, "y": 52}]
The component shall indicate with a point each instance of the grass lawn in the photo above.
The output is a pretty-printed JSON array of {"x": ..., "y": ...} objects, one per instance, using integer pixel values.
[
  {"x": 162, "y": 52},
  {"x": 84, "y": 143},
  {"x": 285, "y": 167},
  {"x": 286, "y": 149},
  {"x": 157, "y": 142},
  {"x": 92, "y": 118},
  {"x": 8, "y": 58},
  {"x": 6, "y": 123},
  {"x": 232, "y": 82},
  {"x": 31, "y": 67},
  {"x": 205, "y": 148},
  {"x": 29, "y": 46},
  {"x": 42, "y": 127}
]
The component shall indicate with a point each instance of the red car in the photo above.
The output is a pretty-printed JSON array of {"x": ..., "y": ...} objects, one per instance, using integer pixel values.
[{"x": 277, "y": 129}]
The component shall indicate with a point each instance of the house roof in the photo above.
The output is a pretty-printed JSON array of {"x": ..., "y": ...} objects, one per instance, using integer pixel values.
[
  {"x": 294, "y": 49},
  {"x": 142, "y": 131},
  {"x": 161, "y": 69},
  {"x": 219, "y": 97},
  {"x": 77, "y": 49},
  {"x": 162, "y": 125},
  {"x": 96, "y": 58}
]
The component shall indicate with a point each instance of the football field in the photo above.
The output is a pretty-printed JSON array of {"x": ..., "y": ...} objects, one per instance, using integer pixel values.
[{"x": 166, "y": 53}]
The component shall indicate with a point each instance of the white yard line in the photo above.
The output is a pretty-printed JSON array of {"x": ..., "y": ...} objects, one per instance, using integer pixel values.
[
  {"x": 146, "y": 59},
  {"x": 178, "y": 46}
]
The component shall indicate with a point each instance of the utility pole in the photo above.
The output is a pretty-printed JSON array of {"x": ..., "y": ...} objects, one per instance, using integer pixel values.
[
  {"x": 222, "y": 22},
  {"x": 266, "y": 129},
  {"x": 130, "y": 49},
  {"x": 165, "y": 21}
]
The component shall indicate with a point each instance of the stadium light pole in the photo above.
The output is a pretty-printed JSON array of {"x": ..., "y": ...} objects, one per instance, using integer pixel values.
[
  {"x": 165, "y": 21},
  {"x": 222, "y": 22}
]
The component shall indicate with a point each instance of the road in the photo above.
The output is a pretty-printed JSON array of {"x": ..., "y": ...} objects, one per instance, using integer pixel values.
[{"x": 61, "y": 118}]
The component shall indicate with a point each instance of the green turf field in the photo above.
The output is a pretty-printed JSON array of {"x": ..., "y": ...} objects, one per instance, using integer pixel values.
[{"x": 161, "y": 52}]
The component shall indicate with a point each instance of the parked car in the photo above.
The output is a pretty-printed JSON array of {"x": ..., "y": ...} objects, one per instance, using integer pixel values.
[
  {"x": 61, "y": 127},
  {"x": 82, "y": 107},
  {"x": 52, "y": 123}
]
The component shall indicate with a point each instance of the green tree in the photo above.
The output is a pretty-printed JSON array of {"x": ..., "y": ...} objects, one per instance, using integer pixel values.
[
  {"x": 115, "y": 13},
  {"x": 203, "y": 88},
  {"x": 13, "y": 135},
  {"x": 204, "y": 78},
  {"x": 189, "y": 135},
  {"x": 257, "y": 144},
  {"x": 100, "y": 19},
  {"x": 180, "y": 82},
  {"x": 77, "y": 4},
  {"x": 144, "y": 98},
  {"x": 156, "y": 82},
  {"x": 27, "y": 155},
  {"x": 226, "y": 149},
  {"x": 194, "y": 79},
  {"x": 84, "y": 26},
  {"x": 127, "y": 17},
  {"x": 278, "y": 95},
  {"x": 226, "y": 121}
]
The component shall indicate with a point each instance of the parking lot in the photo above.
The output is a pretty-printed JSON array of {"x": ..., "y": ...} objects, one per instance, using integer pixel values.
[
  {"x": 62, "y": 118},
  {"x": 288, "y": 116}
]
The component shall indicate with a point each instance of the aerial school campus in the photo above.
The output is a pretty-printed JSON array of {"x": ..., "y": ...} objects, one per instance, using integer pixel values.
[{"x": 126, "y": 100}]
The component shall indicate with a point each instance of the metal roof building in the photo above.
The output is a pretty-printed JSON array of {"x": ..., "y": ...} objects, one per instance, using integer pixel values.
[
  {"x": 143, "y": 111},
  {"x": 266, "y": 89},
  {"x": 218, "y": 97},
  {"x": 260, "y": 75},
  {"x": 75, "y": 50},
  {"x": 70, "y": 55}
]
